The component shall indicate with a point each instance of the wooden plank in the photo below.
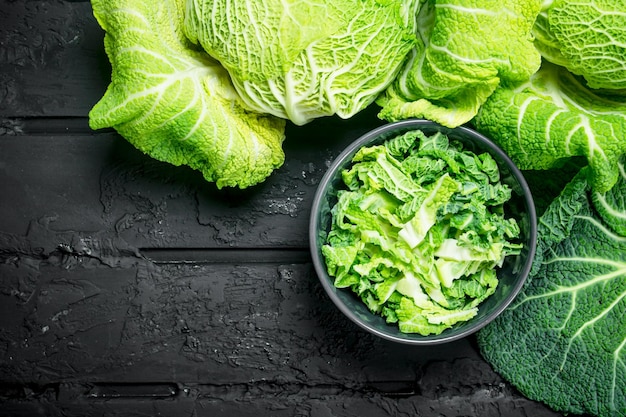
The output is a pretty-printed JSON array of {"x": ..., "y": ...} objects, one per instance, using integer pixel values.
[
  {"x": 276, "y": 399},
  {"x": 52, "y": 60},
  {"x": 81, "y": 185},
  {"x": 67, "y": 317},
  {"x": 80, "y": 335}
]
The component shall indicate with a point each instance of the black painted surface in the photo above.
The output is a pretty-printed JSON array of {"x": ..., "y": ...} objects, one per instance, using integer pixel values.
[{"x": 132, "y": 288}]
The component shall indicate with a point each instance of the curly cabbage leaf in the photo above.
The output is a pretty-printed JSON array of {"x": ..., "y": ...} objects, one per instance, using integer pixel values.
[
  {"x": 302, "y": 60},
  {"x": 174, "y": 102},
  {"x": 586, "y": 37},
  {"x": 563, "y": 340},
  {"x": 554, "y": 116},
  {"x": 465, "y": 49}
]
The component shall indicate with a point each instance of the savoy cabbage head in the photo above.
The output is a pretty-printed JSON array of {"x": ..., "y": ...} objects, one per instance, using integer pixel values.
[
  {"x": 174, "y": 102},
  {"x": 465, "y": 49},
  {"x": 301, "y": 60},
  {"x": 223, "y": 109},
  {"x": 555, "y": 116},
  {"x": 586, "y": 37},
  {"x": 563, "y": 340}
]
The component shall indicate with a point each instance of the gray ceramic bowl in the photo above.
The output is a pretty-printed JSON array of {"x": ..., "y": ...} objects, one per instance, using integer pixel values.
[{"x": 511, "y": 276}]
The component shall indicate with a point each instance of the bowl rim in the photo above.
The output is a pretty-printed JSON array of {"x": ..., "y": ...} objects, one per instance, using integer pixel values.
[{"x": 324, "y": 186}]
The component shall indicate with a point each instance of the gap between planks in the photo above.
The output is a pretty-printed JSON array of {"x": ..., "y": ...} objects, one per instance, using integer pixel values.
[
  {"x": 47, "y": 126},
  {"x": 227, "y": 255},
  {"x": 234, "y": 391}
]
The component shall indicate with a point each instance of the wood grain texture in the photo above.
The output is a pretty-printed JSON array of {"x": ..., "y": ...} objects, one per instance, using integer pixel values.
[
  {"x": 52, "y": 62},
  {"x": 87, "y": 181},
  {"x": 223, "y": 339}
]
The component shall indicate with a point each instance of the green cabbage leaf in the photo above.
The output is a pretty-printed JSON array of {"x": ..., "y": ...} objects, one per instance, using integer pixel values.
[
  {"x": 465, "y": 48},
  {"x": 563, "y": 340},
  {"x": 174, "y": 102},
  {"x": 586, "y": 37},
  {"x": 301, "y": 60},
  {"x": 554, "y": 117}
]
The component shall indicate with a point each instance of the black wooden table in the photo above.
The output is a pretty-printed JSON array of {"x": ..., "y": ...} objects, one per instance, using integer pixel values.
[{"x": 129, "y": 287}]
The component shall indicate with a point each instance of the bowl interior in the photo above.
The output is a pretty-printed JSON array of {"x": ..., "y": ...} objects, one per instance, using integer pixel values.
[{"x": 511, "y": 276}]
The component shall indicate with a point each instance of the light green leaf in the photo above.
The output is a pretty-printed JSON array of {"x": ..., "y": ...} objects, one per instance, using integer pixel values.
[
  {"x": 552, "y": 117},
  {"x": 586, "y": 37},
  {"x": 465, "y": 49},
  {"x": 306, "y": 59},
  {"x": 415, "y": 230},
  {"x": 174, "y": 102}
]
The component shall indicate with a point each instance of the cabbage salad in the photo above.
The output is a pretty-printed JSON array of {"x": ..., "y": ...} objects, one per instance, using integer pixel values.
[{"x": 419, "y": 230}]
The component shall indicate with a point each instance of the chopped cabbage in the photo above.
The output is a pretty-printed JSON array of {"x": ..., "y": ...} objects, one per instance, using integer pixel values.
[{"x": 419, "y": 230}]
